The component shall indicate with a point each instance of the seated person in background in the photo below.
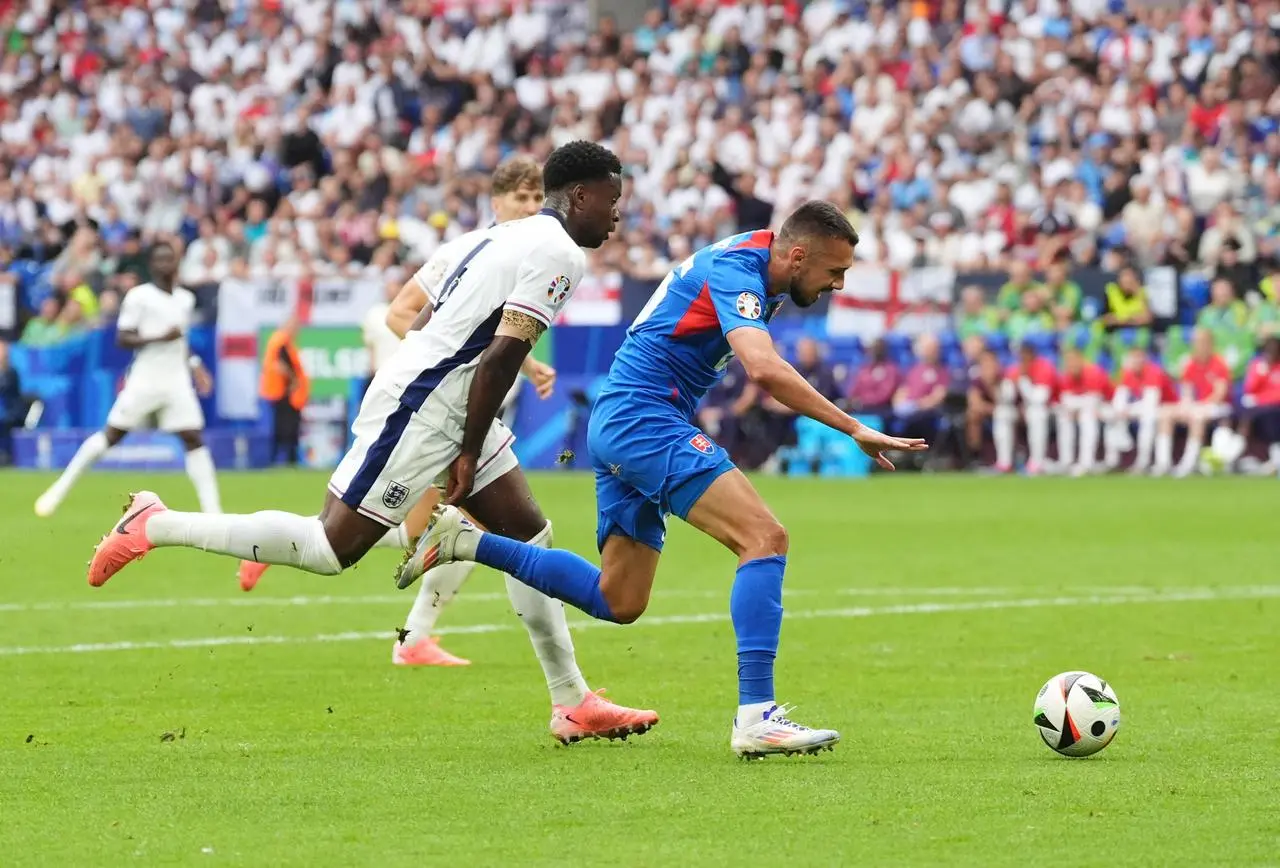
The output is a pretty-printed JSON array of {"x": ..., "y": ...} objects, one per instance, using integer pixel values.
[
  {"x": 875, "y": 383},
  {"x": 1264, "y": 317},
  {"x": 71, "y": 319},
  {"x": 1144, "y": 388},
  {"x": 724, "y": 405},
  {"x": 1020, "y": 282},
  {"x": 74, "y": 288},
  {"x": 1205, "y": 383},
  {"x": 1126, "y": 302},
  {"x": 975, "y": 317},
  {"x": 1224, "y": 315},
  {"x": 1259, "y": 409},
  {"x": 13, "y": 407},
  {"x": 44, "y": 328},
  {"x": 1084, "y": 392},
  {"x": 815, "y": 369},
  {"x": 1242, "y": 276},
  {"x": 918, "y": 402},
  {"x": 1031, "y": 318},
  {"x": 984, "y": 391},
  {"x": 1064, "y": 293},
  {"x": 1029, "y": 386}
]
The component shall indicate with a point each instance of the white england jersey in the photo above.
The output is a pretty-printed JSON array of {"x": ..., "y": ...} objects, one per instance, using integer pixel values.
[
  {"x": 151, "y": 312},
  {"x": 531, "y": 266}
]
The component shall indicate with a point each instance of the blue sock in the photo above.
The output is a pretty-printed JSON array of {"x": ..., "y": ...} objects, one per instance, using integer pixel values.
[
  {"x": 555, "y": 572},
  {"x": 755, "y": 605}
]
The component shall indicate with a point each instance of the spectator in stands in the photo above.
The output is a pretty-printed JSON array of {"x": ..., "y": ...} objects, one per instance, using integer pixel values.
[
  {"x": 1225, "y": 315},
  {"x": 1205, "y": 384},
  {"x": 1027, "y": 389},
  {"x": 13, "y": 407},
  {"x": 975, "y": 316},
  {"x": 1226, "y": 225},
  {"x": 1084, "y": 392},
  {"x": 1264, "y": 317},
  {"x": 875, "y": 383},
  {"x": 285, "y": 385},
  {"x": 45, "y": 327},
  {"x": 1242, "y": 276},
  {"x": 1127, "y": 302},
  {"x": 917, "y": 405},
  {"x": 1021, "y": 282},
  {"x": 1064, "y": 293},
  {"x": 1143, "y": 220},
  {"x": 74, "y": 288}
]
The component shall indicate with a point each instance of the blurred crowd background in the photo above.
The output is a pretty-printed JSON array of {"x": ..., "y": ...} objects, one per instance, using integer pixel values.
[{"x": 1053, "y": 158}]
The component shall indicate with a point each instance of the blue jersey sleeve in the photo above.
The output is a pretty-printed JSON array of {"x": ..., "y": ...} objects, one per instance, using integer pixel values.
[{"x": 737, "y": 291}]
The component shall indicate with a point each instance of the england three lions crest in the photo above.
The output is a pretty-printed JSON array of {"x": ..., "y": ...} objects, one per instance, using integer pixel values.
[{"x": 395, "y": 495}]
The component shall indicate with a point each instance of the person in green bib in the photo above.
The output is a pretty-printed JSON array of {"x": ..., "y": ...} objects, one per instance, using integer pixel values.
[
  {"x": 1021, "y": 282},
  {"x": 975, "y": 316},
  {"x": 1031, "y": 318},
  {"x": 1225, "y": 315},
  {"x": 1264, "y": 318},
  {"x": 1064, "y": 294}
]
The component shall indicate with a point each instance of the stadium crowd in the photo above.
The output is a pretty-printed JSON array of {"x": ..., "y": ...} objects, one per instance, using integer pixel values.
[{"x": 290, "y": 138}]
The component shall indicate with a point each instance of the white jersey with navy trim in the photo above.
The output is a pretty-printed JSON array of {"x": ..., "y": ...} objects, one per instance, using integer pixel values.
[
  {"x": 529, "y": 265},
  {"x": 410, "y": 424}
]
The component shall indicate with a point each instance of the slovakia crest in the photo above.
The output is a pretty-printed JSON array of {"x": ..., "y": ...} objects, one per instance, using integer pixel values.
[
  {"x": 703, "y": 444},
  {"x": 558, "y": 290},
  {"x": 395, "y": 495},
  {"x": 749, "y": 305}
]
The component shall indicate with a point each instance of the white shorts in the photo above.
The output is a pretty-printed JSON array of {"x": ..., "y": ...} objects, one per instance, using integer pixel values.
[
  {"x": 174, "y": 406},
  {"x": 398, "y": 454}
]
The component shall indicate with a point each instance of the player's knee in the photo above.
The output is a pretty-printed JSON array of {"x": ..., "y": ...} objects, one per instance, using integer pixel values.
[
  {"x": 628, "y": 611},
  {"x": 767, "y": 538}
]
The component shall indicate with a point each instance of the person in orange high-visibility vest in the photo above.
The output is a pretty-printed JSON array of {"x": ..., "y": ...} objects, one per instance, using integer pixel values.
[{"x": 285, "y": 384}]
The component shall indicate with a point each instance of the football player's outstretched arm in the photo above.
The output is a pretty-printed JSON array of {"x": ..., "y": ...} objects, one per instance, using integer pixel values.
[
  {"x": 768, "y": 370},
  {"x": 405, "y": 308},
  {"x": 499, "y": 364}
]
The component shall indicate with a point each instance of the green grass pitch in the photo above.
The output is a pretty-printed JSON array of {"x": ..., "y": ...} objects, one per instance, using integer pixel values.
[{"x": 199, "y": 725}]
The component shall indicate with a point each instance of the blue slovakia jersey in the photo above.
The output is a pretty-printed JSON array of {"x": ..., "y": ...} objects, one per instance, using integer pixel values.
[{"x": 676, "y": 349}]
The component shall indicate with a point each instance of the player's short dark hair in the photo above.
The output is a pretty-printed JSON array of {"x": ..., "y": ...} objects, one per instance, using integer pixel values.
[
  {"x": 577, "y": 163},
  {"x": 818, "y": 219}
]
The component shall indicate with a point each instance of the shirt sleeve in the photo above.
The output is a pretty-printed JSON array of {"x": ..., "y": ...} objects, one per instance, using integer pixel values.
[
  {"x": 545, "y": 282},
  {"x": 737, "y": 292},
  {"x": 428, "y": 277},
  {"x": 131, "y": 312}
]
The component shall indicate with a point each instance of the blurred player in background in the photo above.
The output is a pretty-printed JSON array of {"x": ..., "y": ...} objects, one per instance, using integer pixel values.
[
  {"x": 505, "y": 289},
  {"x": 1205, "y": 388},
  {"x": 161, "y": 384},
  {"x": 1144, "y": 388},
  {"x": 650, "y": 460},
  {"x": 1085, "y": 392},
  {"x": 1030, "y": 385},
  {"x": 517, "y": 193}
]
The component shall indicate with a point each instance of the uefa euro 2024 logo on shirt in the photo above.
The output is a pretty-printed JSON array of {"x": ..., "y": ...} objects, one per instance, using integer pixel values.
[
  {"x": 749, "y": 305},
  {"x": 558, "y": 289}
]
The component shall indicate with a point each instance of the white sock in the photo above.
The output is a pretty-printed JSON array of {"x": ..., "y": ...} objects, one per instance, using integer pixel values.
[
  {"x": 1002, "y": 433},
  {"x": 204, "y": 478},
  {"x": 1191, "y": 455},
  {"x": 396, "y": 538},
  {"x": 755, "y": 711},
  {"x": 548, "y": 630},
  {"x": 1037, "y": 433},
  {"x": 86, "y": 456},
  {"x": 268, "y": 537},
  {"x": 1273, "y": 453},
  {"x": 1065, "y": 426},
  {"x": 1089, "y": 430},
  {"x": 1164, "y": 452},
  {"x": 1146, "y": 439},
  {"x": 439, "y": 587}
]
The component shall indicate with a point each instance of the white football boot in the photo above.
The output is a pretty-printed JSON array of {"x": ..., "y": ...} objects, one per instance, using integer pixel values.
[
  {"x": 773, "y": 734},
  {"x": 436, "y": 545}
]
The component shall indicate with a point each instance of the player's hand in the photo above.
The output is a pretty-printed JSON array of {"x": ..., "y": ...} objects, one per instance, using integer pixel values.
[
  {"x": 876, "y": 444},
  {"x": 543, "y": 377},
  {"x": 462, "y": 476},
  {"x": 203, "y": 381}
]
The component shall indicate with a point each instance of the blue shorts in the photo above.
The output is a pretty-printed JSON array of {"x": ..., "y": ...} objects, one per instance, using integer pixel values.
[{"x": 649, "y": 462}]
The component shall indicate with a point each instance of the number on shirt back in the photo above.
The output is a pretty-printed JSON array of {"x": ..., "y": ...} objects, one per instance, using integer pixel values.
[{"x": 451, "y": 282}]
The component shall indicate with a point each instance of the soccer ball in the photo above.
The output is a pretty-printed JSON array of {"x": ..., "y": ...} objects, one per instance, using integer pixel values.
[{"x": 1077, "y": 713}]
